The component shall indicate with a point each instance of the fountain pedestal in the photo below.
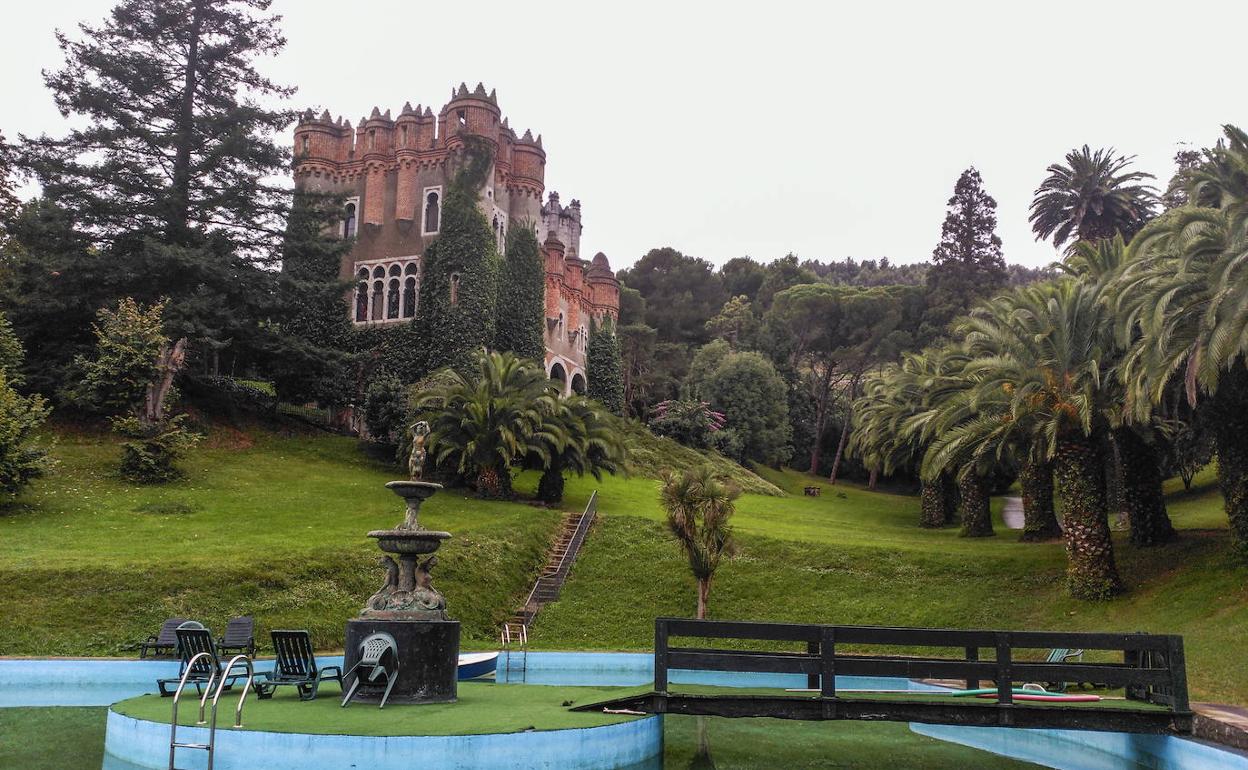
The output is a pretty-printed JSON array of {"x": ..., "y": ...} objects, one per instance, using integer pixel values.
[{"x": 410, "y": 609}]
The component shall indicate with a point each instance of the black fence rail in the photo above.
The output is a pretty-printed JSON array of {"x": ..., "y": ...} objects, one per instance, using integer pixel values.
[{"x": 1152, "y": 668}]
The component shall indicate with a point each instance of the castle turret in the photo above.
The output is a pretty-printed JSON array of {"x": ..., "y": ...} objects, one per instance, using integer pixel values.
[
  {"x": 474, "y": 112},
  {"x": 604, "y": 288},
  {"x": 321, "y": 139},
  {"x": 528, "y": 166}
]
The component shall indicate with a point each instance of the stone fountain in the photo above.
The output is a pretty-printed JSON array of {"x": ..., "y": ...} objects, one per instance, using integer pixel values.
[{"x": 407, "y": 606}]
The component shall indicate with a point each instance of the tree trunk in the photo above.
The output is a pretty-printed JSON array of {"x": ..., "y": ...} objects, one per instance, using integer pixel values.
[
  {"x": 1079, "y": 469},
  {"x": 168, "y": 363},
  {"x": 1142, "y": 496},
  {"x": 550, "y": 485},
  {"x": 1039, "y": 519},
  {"x": 949, "y": 493},
  {"x": 840, "y": 449},
  {"x": 493, "y": 483},
  {"x": 704, "y": 595},
  {"x": 702, "y": 759},
  {"x": 180, "y": 195},
  {"x": 873, "y": 478},
  {"x": 1230, "y": 412},
  {"x": 932, "y": 504},
  {"x": 976, "y": 515}
]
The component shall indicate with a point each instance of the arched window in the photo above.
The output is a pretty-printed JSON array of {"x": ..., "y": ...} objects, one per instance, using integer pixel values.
[
  {"x": 578, "y": 384},
  {"x": 379, "y": 301},
  {"x": 348, "y": 224},
  {"x": 361, "y": 297},
  {"x": 307, "y": 145},
  {"x": 454, "y": 289},
  {"x": 557, "y": 373},
  {"x": 392, "y": 299},
  {"x": 409, "y": 297},
  {"x": 433, "y": 212}
]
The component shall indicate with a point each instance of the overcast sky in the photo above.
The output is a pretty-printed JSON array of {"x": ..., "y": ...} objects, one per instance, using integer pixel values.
[{"x": 726, "y": 129}]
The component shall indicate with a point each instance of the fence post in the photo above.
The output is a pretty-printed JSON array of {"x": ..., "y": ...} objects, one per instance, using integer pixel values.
[
  {"x": 812, "y": 680},
  {"x": 827, "y": 659},
  {"x": 660, "y": 655},
  {"x": 1177, "y": 664},
  {"x": 972, "y": 654},
  {"x": 1005, "y": 683}
]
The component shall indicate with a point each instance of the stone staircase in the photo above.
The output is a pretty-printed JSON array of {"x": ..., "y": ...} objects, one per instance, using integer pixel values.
[{"x": 550, "y": 581}]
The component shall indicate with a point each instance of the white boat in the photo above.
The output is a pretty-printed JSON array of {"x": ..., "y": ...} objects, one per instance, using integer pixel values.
[{"x": 473, "y": 665}]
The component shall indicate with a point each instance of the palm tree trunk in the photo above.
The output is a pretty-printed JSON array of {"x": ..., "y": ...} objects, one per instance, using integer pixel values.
[
  {"x": 976, "y": 515},
  {"x": 932, "y": 504},
  {"x": 949, "y": 493},
  {"x": 1039, "y": 519},
  {"x": 1230, "y": 413},
  {"x": 840, "y": 451},
  {"x": 704, "y": 595},
  {"x": 1079, "y": 469},
  {"x": 550, "y": 485},
  {"x": 493, "y": 483},
  {"x": 1142, "y": 496},
  {"x": 873, "y": 478}
]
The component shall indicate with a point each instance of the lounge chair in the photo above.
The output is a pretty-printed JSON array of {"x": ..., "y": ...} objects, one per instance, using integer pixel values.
[
  {"x": 1062, "y": 655},
  {"x": 374, "y": 651},
  {"x": 296, "y": 664},
  {"x": 193, "y": 639},
  {"x": 164, "y": 643},
  {"x": 240, "y": 637}
]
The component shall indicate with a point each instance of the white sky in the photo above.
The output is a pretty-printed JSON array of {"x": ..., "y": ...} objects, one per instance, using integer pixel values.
[{"x": 725, "y": 129}]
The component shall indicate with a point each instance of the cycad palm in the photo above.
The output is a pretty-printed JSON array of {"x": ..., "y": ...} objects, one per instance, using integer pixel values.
[
  {"x": 480, "y": 426},
  {"x": 1049, "y": 360},
  {"x": 699, "y": 507},
  {"x": 579, "y": 437},
  {"x": 1090, "y": 198},
  {"x": 1185, "y": 290}
]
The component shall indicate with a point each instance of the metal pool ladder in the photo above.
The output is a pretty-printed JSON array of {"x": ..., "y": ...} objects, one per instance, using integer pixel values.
[
  {"x": 223, "y": 676},
  {"x": 515, "y": 633}
]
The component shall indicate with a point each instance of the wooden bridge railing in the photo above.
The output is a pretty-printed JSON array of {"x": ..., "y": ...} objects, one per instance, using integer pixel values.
[{"x": 1152, "y": 667}]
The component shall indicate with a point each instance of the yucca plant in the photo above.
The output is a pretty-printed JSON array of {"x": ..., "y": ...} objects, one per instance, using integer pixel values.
[{"x": 699, "y": 506}]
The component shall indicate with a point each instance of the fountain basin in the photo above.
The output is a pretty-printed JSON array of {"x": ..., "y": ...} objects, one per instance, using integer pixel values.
[{"x": 409, "y": 541}]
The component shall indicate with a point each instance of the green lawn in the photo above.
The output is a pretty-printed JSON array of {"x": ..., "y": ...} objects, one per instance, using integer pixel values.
[
  {"x": 52, "y": 738},
  {"x": 267, "y": 524},
  {"x": 483, "y": 707},
  {"x": 857, "y": 557}
]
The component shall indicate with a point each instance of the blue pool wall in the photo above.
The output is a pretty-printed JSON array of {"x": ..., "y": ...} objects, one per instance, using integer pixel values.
[{"x": 145, "y": 744}]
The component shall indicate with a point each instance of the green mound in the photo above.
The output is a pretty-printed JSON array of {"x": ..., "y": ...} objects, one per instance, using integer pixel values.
[{"x": 483, "y": 707}]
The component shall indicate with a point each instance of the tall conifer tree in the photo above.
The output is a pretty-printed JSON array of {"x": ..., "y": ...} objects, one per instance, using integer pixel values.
[
  {"x": 967, "y": 263},
  {"x": 521, "y": 296},
  {"x": 605, "y": 368}
]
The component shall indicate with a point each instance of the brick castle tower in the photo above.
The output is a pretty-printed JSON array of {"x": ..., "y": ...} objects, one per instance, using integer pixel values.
[{"x": 393, "y": 173}]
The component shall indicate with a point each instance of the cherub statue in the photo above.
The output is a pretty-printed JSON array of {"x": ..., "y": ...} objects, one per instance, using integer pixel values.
[{"x": 416, "y": 462}]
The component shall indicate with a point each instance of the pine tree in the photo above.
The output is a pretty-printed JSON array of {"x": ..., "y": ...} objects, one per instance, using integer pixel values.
[
  {"x": 605, "y": 369},
  {"x": 8, "y": 200},
  {"x": 967, "y": 263},
  {"x": 521, "y": 296},
  {"x": 169, "y": 88},
  {"x": 459, "y": 285},
  {"x": 311, "y": 360}
]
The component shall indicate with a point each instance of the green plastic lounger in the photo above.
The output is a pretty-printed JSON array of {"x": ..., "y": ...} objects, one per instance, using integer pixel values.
[
  {"x": 193, "y": 639},
  {"x": 163, "y": 643},
  {"x": 295, "y": 664},
  {"x": 1061, "y": 655}
]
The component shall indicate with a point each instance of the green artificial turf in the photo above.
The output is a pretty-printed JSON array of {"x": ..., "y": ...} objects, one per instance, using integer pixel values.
[
  {"x": 483, "y": 707},
  {"x": 52, "y": 738}
]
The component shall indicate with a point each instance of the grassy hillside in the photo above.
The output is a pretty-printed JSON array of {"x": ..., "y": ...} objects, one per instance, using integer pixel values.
[
  {"x": 266, "y": 524},
  {"x": 853, "y": 556}
]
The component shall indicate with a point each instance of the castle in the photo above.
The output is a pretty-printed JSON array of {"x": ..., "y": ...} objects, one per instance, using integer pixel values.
[{"x": 393, "y": 172}]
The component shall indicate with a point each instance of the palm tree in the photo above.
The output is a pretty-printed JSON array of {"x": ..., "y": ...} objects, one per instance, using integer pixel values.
[
  {"x": 699, "y": 506},
  {"x": 480, "y": 426},
  {"x": 1136, "y": 436},
  {"x": 884, "y": 436},
  {"x": 1091, "y": 198},
  {"x": 578, "y": 436},
  {"x": 1044, "y": 348},
  {"x": 1183, "y": 304}
]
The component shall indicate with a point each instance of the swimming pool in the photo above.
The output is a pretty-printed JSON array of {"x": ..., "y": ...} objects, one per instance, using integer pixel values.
[{"x": 103, "y": 682}]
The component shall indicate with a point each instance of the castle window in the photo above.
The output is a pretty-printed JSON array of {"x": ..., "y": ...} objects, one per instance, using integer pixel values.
[
  {"x": 433, "y": 210},
  {"x": 463, "y": 118},
  {"x": 454, "y": 289},
  {"x": 403, "y": 135},
  {"x": 392, "y": 299},
  {"x": 307, "y": 145},
  {"x": 379, "y": 299},
  {"x": 361, "y": 297},
  {"x": 348, "y": 223},
  {"x": 372, "y": 138},
  {"x": 409, "y": 297}
]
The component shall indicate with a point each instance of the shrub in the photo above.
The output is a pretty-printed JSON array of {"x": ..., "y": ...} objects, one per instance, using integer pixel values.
[
  {"x": 129, "y": 340},
  {"x": 386, "y": 409},
  {"x": 21, "y": 458},
  {"x": 688, "y": 421},
  {"x": 151, "y": 455}
]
